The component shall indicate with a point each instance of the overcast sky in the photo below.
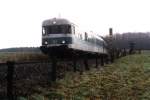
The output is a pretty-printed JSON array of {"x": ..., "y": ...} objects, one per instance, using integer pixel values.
[{"x": 20, "y": 20}]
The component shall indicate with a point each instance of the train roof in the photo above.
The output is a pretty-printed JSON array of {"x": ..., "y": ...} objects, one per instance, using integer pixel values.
[{"x": 56, "y": 21}]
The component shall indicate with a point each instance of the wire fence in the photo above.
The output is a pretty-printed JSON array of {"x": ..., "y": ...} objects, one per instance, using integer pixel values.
[{"x": 19, "y": 78}]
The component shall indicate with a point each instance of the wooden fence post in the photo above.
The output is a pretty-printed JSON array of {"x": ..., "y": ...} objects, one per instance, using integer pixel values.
[
  {"x": 96, "y": 61},
  {"x": 112, "y": 57},
  {"x": 106, "y": 59},
  {"x": 53, "y": 71},
  {"x": 74, "y": 59},
  {"x": 74, "y": 64},
  {"x": 86, "y": 63},
  {"x": 10, "y": 72},
  {"x": 102, "y": 60}
]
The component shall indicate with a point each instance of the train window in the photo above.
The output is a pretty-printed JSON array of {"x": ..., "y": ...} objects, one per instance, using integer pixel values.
[
  {"x": 57, "y": 29},
  {"x": 48, "y": 30},
  {"x": 54, "y": 29},
  {"x": 73, "y": 30},
  {"x": 66, "y": 29},
  {"x": 43, "y": 31},
  {"x": 69, "y": 29}
]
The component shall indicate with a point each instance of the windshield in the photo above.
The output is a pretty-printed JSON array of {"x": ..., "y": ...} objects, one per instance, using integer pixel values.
[{"x": 57, "y": 29}]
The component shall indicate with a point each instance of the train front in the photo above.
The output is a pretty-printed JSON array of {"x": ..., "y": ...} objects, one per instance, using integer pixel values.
[{"x": 56, "y": 35}]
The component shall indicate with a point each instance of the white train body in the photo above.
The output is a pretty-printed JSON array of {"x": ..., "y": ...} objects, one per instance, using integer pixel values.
[{"x": 62, "y": 33}]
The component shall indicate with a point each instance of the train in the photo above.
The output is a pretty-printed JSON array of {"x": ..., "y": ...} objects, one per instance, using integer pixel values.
[{"x": 62, "y": 37}]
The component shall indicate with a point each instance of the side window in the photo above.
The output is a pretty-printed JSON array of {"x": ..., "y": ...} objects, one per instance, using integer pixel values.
[
  {"x": 72, "y": 29},
  {"x": 68, "y": 29}
]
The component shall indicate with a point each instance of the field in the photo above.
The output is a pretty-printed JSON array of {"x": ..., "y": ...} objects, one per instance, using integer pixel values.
[
  {"x": 21, "y": 56},
  {"x": 126, "y": 79}
]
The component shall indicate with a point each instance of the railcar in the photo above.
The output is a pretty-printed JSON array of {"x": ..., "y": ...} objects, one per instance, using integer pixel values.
[{"x": 60, "y": 36}]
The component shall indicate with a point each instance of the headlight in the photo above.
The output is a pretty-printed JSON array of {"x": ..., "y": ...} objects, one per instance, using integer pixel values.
[
  {"x": 63, "y": 42},
  {"x": 54, "y": 22},
  {"x": 46, "y": 42}
]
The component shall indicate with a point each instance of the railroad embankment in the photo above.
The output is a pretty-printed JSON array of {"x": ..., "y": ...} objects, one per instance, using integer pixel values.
[{"x": 128, "y": 78}]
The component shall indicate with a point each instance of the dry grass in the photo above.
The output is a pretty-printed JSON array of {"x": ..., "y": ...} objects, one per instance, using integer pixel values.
[
  {"x": 127, "y": 79},
  {"x": 21, "y": 57}
]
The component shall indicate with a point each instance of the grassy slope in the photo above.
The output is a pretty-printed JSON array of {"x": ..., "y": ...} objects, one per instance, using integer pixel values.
[{"x": 126, "y": 79}]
